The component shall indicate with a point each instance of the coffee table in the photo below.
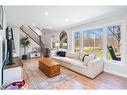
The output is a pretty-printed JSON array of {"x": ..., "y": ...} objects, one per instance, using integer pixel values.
[{"x": 49, "y": 67}]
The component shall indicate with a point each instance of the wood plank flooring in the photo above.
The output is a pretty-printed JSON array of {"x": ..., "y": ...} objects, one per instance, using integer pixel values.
[{"x": 103, "y": 81}]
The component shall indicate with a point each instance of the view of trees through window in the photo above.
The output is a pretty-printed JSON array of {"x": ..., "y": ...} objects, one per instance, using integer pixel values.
[
  {"x": 93, "y": 42},
  {"x": 77, "y": 41},
  {"x": 113, "y": 40}
]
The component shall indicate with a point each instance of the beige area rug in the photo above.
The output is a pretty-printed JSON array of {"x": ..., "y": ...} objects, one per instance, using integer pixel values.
[
  {"x": 36, "y": 79},
  {"x": 61, "y": 81}
]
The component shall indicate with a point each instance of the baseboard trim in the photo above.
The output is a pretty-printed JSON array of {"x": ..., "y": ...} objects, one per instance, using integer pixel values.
[{"x": 116, "y": 73}]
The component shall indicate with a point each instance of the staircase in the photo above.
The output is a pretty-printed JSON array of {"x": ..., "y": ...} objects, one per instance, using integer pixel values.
[{"x": 32, "y": 34}]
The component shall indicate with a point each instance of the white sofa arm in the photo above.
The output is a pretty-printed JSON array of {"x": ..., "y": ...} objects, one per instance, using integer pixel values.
[{"x": 95, "y": 67}]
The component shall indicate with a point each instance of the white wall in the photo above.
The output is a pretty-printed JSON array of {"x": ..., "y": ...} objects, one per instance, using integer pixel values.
[
  {"x": 1, "y": 61},
  {"x": 2, "y": 37},
  {"x": 47, "y": 37},
  {"x": 16, "y": 34}
]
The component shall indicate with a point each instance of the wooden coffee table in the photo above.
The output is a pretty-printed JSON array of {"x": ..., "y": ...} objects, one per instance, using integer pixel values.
[{"x": 49, "y": 67}]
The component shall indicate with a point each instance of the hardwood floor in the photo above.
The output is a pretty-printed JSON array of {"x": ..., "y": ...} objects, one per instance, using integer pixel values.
[{"x": 102, "y": 81}]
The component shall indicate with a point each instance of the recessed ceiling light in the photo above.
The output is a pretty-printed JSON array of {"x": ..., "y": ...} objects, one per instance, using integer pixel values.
[
  {"x": 33, "y": 24},
  {"x": 66, "y": 19},
  {"x": 46, "y": 13}
]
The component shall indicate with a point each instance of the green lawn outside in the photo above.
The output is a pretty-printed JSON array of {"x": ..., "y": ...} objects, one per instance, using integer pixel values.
[
  {"x": 97, "y": 51},
  {"x": 91, "y": 50}
]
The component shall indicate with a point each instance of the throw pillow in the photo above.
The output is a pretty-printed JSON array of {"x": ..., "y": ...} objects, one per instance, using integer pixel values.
[
  {"x": 89, "y": 58},
  {"x": 61, "y": 53},
  {"x": 86, "y": 60},
  {"x": 84, "y": 57},
  {"x": 93, "y": 56}
]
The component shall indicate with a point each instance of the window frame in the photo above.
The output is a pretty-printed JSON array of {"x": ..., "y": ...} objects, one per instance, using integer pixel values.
[
  {"x": 101, "y": 28},
  {"x": 79, "y": 39},
  {"x": 123, "y": 23}
]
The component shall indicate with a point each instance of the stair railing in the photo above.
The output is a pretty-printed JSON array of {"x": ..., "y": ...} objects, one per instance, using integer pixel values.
[{"x": 33, "y": 35}]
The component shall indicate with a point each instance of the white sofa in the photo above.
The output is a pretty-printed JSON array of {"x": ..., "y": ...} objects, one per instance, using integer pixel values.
[{"x": 90, "y": 67}]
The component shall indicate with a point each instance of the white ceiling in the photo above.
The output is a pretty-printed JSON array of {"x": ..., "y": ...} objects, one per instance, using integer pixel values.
[{"x": 58, "y": 16}]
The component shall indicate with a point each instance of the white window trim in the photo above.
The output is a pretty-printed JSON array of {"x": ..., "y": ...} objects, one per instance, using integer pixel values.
[
  {"x": 121, "y": 47},
  {"x": 74, "y": 40}
]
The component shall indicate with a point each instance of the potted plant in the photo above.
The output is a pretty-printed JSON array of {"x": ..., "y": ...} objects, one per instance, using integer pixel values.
[{"x": 24, "y": 42}]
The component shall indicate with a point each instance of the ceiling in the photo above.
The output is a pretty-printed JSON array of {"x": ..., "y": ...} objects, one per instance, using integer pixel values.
[{"x": 56, "y": 17}]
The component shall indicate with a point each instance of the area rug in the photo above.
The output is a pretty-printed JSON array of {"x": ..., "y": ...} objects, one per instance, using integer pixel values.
[
  {"x": 61, "y": 81},
  {"x": 36, "y": 79}
]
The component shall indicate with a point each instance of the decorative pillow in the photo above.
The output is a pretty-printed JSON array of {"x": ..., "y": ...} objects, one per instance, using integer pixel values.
[
  {"x": 89, "y": 58},
  {"x": 93, "y": 56},
  {"x": 81, "y": 56},
  {"x": 61, "y": 53},
  {"x": 86, "y": 60},
  {"x": 84, "y": 57},
  {"x": 53, "y": 53}
]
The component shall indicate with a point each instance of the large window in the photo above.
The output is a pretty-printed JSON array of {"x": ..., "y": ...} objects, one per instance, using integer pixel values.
[
  {"x": 77, "y": 41},
  {"x": 113, "y": 41},
  {"x": 93, "y": 42}
]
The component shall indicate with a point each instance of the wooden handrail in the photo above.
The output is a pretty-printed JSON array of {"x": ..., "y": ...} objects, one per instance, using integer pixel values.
[
  {"x": 41, "y": 43},
  {"x": 33, "y": 31},
  {"x": 29, "y": 35}
]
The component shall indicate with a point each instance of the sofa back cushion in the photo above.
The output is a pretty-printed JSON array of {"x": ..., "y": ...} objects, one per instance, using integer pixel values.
[{"x": 73, "y": 55}]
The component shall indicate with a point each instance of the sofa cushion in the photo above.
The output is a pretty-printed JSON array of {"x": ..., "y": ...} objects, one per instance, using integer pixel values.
[
  {"x": 78, "y": 63},
  {"x": 64, "y": 59},
  {"x": 69, "y": 60},
  {"x": 73, "y": 55}
]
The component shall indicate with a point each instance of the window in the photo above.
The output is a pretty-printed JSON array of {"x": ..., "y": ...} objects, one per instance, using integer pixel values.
[
  {"x": 77, "y": 41},
  {"x": 113, "y": 40},
  {"x": 93, "y": 42}
]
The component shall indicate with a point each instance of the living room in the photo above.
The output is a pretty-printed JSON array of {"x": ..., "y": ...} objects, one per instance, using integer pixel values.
[{"x": 81, "y": 49}]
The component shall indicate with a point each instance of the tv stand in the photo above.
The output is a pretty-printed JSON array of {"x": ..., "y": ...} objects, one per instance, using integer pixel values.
[{"x": 13, "y": 72}]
